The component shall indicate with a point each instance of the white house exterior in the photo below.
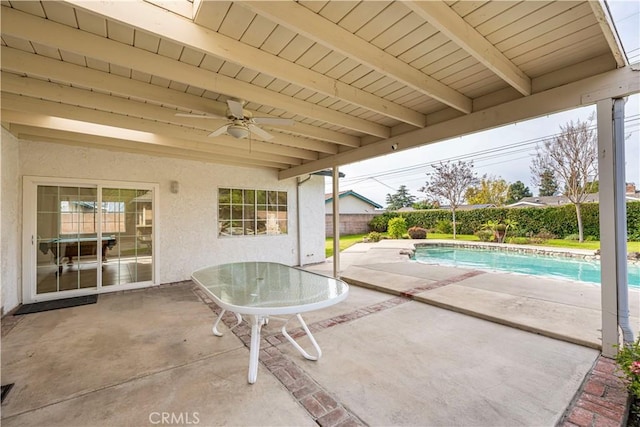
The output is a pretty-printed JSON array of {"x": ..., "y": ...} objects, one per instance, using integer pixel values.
[
  {"x": 351, "y": 202},
  {"x": 187, "y": 221}
]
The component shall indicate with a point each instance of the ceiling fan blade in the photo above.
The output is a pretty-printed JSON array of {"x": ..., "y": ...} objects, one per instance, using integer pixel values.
[
  {"x": 273, "y": 121},
  {"x": 199, "y": 116},
  {"x": 219, "y": 131},
  {"x": 263, "y": 134},
  {"x": 235, "y": 107}
]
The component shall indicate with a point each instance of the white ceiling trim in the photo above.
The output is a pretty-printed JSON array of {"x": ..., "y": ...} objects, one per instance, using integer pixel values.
[
  {"x": 448, "y": 22},
  {"x": 315, "y": 27},
  {"x": 607, "y": 26}
]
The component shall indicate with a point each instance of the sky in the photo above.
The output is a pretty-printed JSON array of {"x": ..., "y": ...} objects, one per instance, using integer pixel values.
[{"x": 505, "y": 152}]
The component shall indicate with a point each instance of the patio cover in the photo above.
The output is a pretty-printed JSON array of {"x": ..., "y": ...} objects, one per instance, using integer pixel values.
[
  {"x": 359, "y": 79},
  {"x": 356, "y": 77}
]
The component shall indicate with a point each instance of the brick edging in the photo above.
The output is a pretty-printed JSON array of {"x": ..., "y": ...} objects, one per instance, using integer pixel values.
[
  {"x": 602, "y": 400},
  {"x": 315, "y": 399}
]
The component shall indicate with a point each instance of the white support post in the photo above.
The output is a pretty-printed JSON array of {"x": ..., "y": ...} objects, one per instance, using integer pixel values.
[
  {"x": 613, "y": 224},
  {"x": 336, "y": 222}
]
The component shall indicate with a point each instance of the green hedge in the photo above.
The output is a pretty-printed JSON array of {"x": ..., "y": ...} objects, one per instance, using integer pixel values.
[{"x": 559, "y": 220}]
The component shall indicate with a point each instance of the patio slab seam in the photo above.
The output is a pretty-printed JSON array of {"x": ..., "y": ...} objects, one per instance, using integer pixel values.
[
  {"x": 315, "y": 399},
  {"x": 411, "y": 292},
  {"x": 456, "y": 279}
]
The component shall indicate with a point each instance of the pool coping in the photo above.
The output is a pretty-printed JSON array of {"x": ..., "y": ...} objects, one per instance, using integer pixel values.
[{"x": 589, "y": 255}]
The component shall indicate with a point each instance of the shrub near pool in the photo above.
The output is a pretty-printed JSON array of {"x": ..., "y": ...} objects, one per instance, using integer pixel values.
[
  {"x": 397, "y": 227},
  {"x": 417, "y": 233}
]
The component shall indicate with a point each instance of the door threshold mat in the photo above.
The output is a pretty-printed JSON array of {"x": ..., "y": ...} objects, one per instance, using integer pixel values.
[
  {"x": 56, "y": 304},
  {"x": 5, "y": 390}
]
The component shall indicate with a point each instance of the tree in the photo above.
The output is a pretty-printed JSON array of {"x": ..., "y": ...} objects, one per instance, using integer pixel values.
[
  {"x": 546, "y": 181},
  {"x": 491, "y": 190},
  {"x": 517, "y": 191},
  {"x": 572, "y": 157},
  {"x": 449, "y": 181},
  {"x": 423, "y": 204},
  {"x": 401, "y": 199}
]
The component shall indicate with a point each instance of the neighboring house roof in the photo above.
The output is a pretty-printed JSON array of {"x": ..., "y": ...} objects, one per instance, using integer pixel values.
[
  {"x": 329, "y": 198},
  {"x": 545, "y": 201},
  {"x": 469, "y": 207},
  {"x": 559, "y": 200}
]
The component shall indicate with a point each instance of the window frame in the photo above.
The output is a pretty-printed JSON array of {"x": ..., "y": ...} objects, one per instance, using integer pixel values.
[{"x": 252, "y": 212}]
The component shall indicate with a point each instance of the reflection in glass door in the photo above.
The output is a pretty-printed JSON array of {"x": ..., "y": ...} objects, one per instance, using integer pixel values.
[
  {"x": 127, "y": 216},
  {"x": 67, "y": 239},
  {"x": 88, "y": 237}
]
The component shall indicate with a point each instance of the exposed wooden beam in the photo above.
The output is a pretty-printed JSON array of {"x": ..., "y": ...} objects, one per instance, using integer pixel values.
[
  {"x": 67, "y": 125},
  {"x": 41, "y": 66},
  {"x": 449, "y": 23},
  {"x": 167, "y": 25},
  {"x": 132, "y": 114},
  {"x": 113, "y": 144},
  {"x": 28, "y": 27},
  {"x": 315, "y": 27},
  {"x": 601, "y": 12},
  {"x": 612, "y": 84},
  {"x": 222, "y": 145}
]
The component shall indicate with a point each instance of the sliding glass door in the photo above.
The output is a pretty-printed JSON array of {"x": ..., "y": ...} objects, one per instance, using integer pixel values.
[
  {"x": 127, "y": 216},
  {"x": 67, "y": 241},
  {"x": 86, "y": 238}
]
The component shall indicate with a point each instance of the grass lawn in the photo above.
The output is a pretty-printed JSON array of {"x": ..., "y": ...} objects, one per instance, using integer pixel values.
[{"x": 346, "y": 241}]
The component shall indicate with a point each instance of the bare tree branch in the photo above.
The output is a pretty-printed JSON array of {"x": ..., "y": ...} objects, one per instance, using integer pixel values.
[
  {"x": 449, "y": 182},
  {"x": 572, "y": 156}
]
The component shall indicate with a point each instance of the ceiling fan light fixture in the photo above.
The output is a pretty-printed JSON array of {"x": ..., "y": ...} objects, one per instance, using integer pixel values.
[{"x": 238, "y": 131}]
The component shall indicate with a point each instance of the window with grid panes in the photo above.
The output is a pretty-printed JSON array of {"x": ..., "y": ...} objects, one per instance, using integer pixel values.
[{"x": 243, "y": 212}]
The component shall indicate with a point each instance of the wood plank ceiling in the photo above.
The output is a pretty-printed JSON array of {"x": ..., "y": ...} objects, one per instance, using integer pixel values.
[{"x": 350, "y": 74}]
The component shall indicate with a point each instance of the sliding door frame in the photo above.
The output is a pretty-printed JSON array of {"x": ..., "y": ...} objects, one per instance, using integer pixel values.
[{"x": 30, "y": 245}]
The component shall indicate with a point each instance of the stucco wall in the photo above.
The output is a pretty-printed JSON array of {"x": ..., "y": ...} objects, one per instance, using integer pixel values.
[
  {"x": 350, "y": 205},
  {"x": 10, "y": 225},
  {"x": 188, "y": 219}
]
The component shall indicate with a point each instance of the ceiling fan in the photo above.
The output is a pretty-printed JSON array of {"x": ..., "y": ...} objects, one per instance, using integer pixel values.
[{"x": 241, "y": 122}]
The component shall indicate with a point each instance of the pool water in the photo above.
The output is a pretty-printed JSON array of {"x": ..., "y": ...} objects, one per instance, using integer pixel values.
[{"x": 511, "y": 262}]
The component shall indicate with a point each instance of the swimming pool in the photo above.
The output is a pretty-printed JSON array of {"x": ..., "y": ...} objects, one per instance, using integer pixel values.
[{"x": 511, "y": 262}]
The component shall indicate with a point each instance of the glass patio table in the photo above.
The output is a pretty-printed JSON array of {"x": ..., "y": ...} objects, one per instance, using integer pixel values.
[{"x": 263, "y": 289}]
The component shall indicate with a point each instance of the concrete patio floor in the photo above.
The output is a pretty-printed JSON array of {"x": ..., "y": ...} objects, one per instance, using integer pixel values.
[
  {"x": 136, "y": 357},
  {"x": 563, "y": 309}
]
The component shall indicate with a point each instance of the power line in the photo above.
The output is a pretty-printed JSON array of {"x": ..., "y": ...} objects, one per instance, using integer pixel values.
[{"x": 487, "y": 154}]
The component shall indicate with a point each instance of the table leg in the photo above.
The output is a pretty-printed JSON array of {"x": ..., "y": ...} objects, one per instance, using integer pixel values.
[
  {"x": 309, "y": 334},
  {"x": 215, "y": 330},
  {"x": 254, "y": 349}
]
